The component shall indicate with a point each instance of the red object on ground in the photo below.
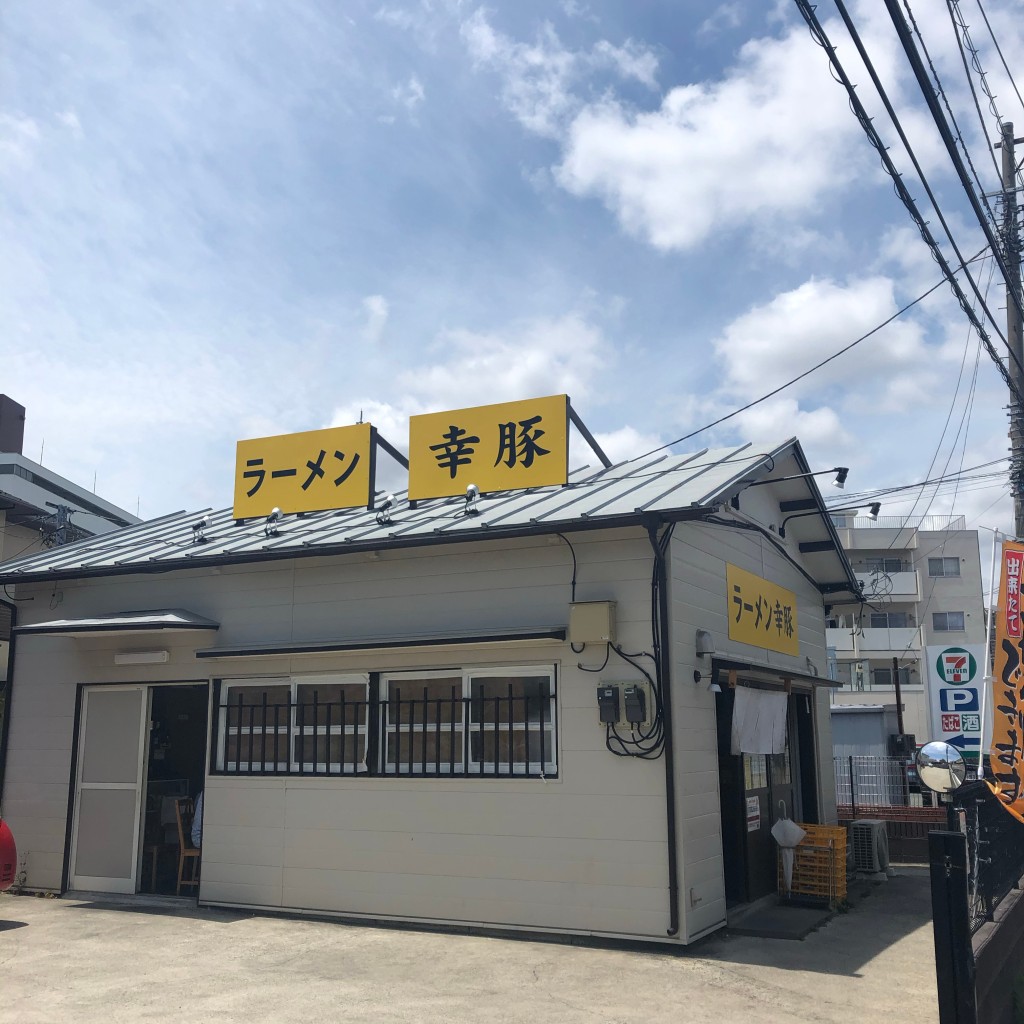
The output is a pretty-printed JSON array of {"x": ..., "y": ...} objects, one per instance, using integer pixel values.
[{"x": 8, "y": 857}]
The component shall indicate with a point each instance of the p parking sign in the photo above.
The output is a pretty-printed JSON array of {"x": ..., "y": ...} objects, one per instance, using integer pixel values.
[{"x": 954, "y": 695}]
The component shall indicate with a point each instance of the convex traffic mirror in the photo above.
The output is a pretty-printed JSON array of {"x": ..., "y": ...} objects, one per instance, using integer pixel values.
[{"x": 941, "y": 767}]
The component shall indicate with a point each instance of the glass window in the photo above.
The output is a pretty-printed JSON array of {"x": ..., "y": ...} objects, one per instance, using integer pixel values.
[
  {"x": 943, "y": 566},
  {"x": 424, "y": 722},
  {"x": 948, "y": 622},
  {"x": 302, "y": 724},
  {"x": 882, "y": 677},
  {"x": 879, "y": 564},
  {"x": 890, "y": 620}
]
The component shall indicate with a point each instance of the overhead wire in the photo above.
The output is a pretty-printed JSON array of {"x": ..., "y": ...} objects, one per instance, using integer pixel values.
[
  {"x": 999, "y": 50},
  {"x": 817, "y": 366}
]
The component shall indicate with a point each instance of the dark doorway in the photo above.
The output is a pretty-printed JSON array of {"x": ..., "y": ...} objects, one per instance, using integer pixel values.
[
  {"x": 175, "y": 768},
  {"x": 755, "y": 790}
]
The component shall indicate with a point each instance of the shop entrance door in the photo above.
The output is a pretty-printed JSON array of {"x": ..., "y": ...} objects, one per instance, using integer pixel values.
[{"x": 108, "y": 794}]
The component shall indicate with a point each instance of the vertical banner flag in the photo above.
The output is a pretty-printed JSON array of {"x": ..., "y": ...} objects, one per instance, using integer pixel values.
[{"x": 1006, "y": 757}]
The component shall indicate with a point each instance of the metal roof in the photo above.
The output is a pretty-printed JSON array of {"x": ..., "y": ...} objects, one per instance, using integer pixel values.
[
  {"x": 163, "y": 619},
  {"x": 669, "y": 487}
]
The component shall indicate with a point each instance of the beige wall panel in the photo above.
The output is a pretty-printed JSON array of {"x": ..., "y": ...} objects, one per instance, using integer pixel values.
[
  {"x": 43, "y": 868},
  {"x": 706, "y": 916},
  {"x": 53, "y": 774},
  {"x": 453, "y": 889},
  {"x": 228, "y": 891},
  {"x": 334, "y": 843},
  {"x": 34, "y": 800},
  {"x": 826, "y": 766},
  {"x": 702, "y": 848},
  {"x": 703, "y": 826},
  {"x": 339, "y": 854},
  {"x": 701, "y": 804},
  {"x": 266, "y": 876},
  {"x": 432, "y": 810}
]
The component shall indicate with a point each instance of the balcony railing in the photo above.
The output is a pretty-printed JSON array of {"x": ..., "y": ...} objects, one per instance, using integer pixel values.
[
  {"x": 873, "y": 639},
  {"x": 881, "y": 586}
]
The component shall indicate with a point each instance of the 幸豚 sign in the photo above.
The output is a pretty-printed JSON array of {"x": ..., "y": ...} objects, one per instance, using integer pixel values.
[
  {"x": 496, "y": 447},
  {"x": 305, "y": 472},
  {"x": 955, "y": 678},
  {"x": 761, "y": 613}
]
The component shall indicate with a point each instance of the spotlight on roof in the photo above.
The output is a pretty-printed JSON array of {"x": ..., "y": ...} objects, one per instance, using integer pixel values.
[
  {"x": 873, "y": 509},
  {"x": 842, "y": 472},
  {"x": 472, "y": 500},
  {"x": 199, "y": 530},
  {"x": 384, "y": 512},
  {"x": 272, "y": 526}
]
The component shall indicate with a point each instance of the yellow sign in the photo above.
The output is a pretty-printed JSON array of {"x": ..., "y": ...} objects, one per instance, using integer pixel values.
[
  {"x": 761, "y": 613},
  {"x": 306, "y": 472},
  {"x": 496, "y": 447},
  {"x": 1006, "y": 756}
]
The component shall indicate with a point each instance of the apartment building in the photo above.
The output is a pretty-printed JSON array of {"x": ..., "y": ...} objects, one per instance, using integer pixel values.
[{"x": 922, "y": 585}]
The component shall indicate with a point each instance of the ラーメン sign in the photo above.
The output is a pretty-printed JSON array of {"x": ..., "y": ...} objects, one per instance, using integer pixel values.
[
  {"x": 305, "y": 472},
  {"x": 496, "y": 447},
  {"x": 761, "y": 613}
]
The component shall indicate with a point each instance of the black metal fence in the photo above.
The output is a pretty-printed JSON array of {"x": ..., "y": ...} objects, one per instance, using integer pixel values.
[
  {"x": 490, "y": 733},
  {"x": 995, "y": 849}
]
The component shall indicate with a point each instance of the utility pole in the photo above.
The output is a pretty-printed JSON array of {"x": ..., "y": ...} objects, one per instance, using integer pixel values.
[{"x": 1014, "y": 338}]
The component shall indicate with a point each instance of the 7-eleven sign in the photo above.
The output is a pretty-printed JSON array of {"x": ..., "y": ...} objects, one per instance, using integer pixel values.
[{"x": 956, "y": 666}]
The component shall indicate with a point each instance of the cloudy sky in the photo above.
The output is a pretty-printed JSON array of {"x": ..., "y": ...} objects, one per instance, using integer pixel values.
[{"x": 223, "y": 219}]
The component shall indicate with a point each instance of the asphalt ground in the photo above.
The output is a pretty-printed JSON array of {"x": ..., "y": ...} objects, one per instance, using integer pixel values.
[{"x": 79, "y": 960}]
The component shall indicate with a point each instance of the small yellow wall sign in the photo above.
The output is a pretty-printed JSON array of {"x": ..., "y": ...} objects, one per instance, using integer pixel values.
[
  {"x": 761, "y": 613},
  {"x": 306, "y": 472},
  {"x": 497, "y": 447}
]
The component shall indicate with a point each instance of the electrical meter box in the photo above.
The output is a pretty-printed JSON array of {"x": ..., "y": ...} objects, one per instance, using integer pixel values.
[{"x": 592, "y": 622}]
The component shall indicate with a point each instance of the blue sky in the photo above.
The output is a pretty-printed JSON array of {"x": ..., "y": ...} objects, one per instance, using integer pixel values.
[{"x": 222, "y": 220}]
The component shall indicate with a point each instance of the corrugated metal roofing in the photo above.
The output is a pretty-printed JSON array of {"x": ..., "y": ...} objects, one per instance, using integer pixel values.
[{"x": 670, "y": 485}]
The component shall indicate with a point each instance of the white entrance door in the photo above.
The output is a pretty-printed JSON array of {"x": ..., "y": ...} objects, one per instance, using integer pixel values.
[{"x": 108, "y": 798}]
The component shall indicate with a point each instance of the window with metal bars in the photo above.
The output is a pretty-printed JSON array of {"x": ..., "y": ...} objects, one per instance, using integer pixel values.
[{"x": 494, "y": 722}]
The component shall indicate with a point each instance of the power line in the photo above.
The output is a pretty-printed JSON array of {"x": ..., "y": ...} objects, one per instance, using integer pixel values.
[
  {"x": 1006, "y": 67},
  {"x": 806, "y": 373}
]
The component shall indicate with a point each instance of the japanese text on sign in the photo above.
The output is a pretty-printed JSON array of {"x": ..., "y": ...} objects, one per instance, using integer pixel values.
[
  {"x": 1006, "y": 754},
  {"x": 761, "y": 613},
  {"x": 305, "y": 472},
  {"x": 495, "y": 447}
]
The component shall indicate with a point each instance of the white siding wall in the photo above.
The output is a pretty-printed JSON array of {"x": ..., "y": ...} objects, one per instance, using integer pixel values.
[
  {"x": 699, "y": 554},
  {"x": 585, "y": 852}
]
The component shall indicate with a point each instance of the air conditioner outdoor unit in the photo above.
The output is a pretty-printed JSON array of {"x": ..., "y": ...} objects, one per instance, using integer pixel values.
[{"x": 870, "y": 845}]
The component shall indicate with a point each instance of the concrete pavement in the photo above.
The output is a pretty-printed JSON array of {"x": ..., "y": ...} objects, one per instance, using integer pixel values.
[{"x": 63, "y": 960}]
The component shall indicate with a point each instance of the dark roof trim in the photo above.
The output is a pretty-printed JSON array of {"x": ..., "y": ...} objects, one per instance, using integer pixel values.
[
  {"x": 175, "y": 619},
  {"x": 768, "y": 674},
  {"x": 266, "y": 650}
]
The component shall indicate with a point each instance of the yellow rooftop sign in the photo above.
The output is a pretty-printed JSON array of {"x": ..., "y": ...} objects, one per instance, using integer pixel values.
[{"x": 496, "y": 447}]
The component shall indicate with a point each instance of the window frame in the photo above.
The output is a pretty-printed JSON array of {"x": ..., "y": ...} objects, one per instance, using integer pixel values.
[
  {"x": 943, "y": 575},
  {"x": 291, "y": 765},
  {"x": 936, "y": 628},
  {"x": 471, "y": 767}
]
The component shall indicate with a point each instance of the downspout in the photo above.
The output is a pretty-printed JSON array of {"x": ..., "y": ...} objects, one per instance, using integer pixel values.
[
  {"x": 8, "y": 691},
  {"x": 665, "y": 681}
]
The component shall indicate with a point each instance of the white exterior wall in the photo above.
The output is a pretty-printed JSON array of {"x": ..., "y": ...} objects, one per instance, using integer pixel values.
[
  {"x": 699, "y": 554},
  {"x": 585, "y": 852}
]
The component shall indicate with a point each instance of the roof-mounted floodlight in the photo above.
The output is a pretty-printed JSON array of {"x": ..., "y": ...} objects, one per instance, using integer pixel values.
[
  {"x": 873, "y": 509},
  {"x": 472, "y": 500},
  {"x": 842, "y": 472},
  {"x": 199, "y": 530},
  {"x": 384, "y": 512},
  {"x": 272, "y": 526}
]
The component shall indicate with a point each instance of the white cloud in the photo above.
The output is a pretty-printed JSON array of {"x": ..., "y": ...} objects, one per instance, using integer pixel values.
[
  {"x": 725, "y": 17},
  {"x": 774, "y": 342},
  {"x": 376, "y": 309},
  {"x": 410, "y": 94},
  {"x": 620, "y": 445},
  {"x": 69, "y": 119},
  {"x": 538, "y": 79},
  {"x": 717, "y": 154},
  {"x": 18, "y": 138}
]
